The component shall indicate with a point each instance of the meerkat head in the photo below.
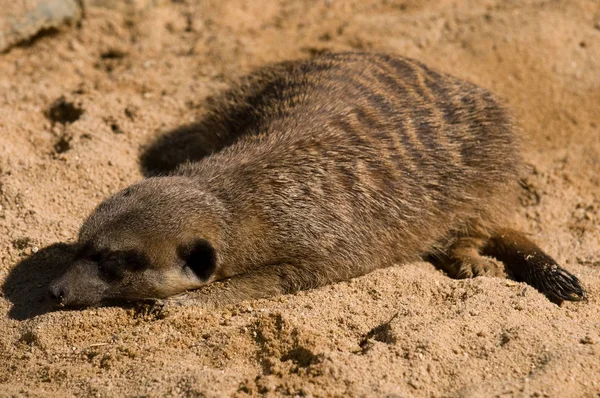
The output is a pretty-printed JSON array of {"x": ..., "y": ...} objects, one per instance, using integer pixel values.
[{"x": 151, "y": 240}]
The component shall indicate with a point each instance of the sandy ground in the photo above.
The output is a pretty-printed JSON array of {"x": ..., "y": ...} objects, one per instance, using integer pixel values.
[{"x": 78, "y": 105}]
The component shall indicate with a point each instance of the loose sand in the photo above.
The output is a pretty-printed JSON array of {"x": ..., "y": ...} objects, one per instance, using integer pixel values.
[{"x": 126, "y": 77}]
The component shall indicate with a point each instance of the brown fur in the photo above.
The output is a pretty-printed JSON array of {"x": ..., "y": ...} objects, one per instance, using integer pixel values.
[{"x": 314, "y": 172}]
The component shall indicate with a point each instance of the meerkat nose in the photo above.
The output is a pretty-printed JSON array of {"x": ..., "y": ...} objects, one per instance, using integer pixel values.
[{"x": 57, "y": 295}]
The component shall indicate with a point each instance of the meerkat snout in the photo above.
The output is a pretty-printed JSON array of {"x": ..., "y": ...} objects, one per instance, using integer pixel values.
[
  {"x": 57, "y": 294},
  {"x": 80, "y": 285}
]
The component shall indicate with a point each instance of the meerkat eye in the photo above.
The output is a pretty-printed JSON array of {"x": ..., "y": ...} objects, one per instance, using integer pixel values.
[
  {"x": 110, "y": 268},
  {"x": 134, "y": 261},
  {"x": 96, "y": 257},
  {"x": 200, "y": 257},
  {"x": 113, "y": 266}
]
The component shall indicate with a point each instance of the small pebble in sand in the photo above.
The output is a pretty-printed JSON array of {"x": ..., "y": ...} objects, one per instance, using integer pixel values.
[{"x": 587, "y": 340}]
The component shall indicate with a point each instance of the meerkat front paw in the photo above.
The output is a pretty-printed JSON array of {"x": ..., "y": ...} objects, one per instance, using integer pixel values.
[
  {"x": 161, "y": 308},
  {"x": 152, "y": 308}
]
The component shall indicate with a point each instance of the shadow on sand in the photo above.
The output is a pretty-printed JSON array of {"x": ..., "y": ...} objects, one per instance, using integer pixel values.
[
  {"x": 26, "y": 286},
  {"x": 234, "y": 113}
]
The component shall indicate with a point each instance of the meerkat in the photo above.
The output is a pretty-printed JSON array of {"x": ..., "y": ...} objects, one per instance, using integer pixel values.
[{"x": 314, "y": 172}]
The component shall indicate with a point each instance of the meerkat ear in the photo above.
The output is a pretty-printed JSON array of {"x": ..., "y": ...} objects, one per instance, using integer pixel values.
[{"x": 200, "y": 257}]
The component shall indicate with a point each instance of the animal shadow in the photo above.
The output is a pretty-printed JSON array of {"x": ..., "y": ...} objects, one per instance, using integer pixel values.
[
  {"x": 231, "y": 114},
  {"x": 184, "y": 144},
  {"x": 26, "y": 286}
]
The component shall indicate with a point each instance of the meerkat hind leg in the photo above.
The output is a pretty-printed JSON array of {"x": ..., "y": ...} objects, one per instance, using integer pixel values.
[{"x": 462, "y": 259}]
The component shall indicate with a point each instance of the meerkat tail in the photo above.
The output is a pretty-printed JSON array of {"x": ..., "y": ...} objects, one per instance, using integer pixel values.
[{"x": 528, "y": 263}]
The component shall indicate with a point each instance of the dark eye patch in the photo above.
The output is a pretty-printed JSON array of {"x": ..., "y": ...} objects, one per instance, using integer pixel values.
[
  {"x": 113, "y": 265},
  {"x": 96, "y": 257},
  {"x": 134, "y": 260},
  {"x": 90, "y": 253},
  {"x": 111, "y": 269}
]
